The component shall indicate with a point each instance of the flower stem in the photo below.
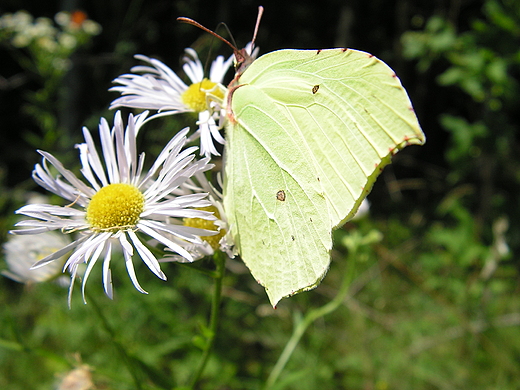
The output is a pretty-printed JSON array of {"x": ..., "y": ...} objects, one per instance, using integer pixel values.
[
  {"x": 311, "y": 316},
  {"x": 126, "y": 358},
  {"x": 220, "y": 261}
]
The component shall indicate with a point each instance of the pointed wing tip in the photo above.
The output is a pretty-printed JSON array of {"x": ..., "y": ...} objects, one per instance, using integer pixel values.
[
  {"x": 276, "y": 296},
  {"x": 274, "y": 299},
  {"x": 418, "y": 138}
]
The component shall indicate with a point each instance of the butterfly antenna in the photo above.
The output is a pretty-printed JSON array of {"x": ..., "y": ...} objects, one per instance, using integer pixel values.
[
  {"x": 258, "y": 18},
  {"x": 231, "y": 37},
  {"x": 197, "y": 24}
]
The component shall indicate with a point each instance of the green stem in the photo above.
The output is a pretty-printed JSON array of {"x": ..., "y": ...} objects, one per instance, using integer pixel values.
[
  {"x": 220, "y": 261},
  {"x": 127, "y": 359},
  {"x": 310, "y": 317},
  {"x": 198, "y": 268},
  {"x": 193, "y": 266}
]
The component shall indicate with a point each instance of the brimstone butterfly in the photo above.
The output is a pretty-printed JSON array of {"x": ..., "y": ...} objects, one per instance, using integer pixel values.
[{"x": 307, "y": 133}]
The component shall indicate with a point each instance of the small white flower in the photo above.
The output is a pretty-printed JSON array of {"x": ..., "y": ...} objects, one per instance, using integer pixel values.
[
  {"x": 221, "y": 241},
  {"x": 62, "y": 18},
  {"x": 21, "y": 20},
  {"x": 80, "y": 378},
  {"x": 22, "y": 252},
  {"x": 157, "y": 87},
  {"x": 43, "y": 27},
  {"x": 91, "y": 27},
  {"x": 21, "y": 40},
  {"x": 119, "y": 202},
  {"x": 68, "y": 41},
  {"x": 47, "y": 44}
]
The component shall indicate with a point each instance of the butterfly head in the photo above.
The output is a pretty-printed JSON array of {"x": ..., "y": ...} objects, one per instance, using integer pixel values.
[{"x": 242, "y": 60}]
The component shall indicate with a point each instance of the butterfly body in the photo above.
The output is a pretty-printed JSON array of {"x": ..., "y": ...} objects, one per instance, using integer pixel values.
[{"x": 314, "y": 128}]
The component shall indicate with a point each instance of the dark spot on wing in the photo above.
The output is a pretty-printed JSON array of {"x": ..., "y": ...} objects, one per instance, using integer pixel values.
[
  {"x": 315, "y": 89},
  {"x": 280, "y": 195}
]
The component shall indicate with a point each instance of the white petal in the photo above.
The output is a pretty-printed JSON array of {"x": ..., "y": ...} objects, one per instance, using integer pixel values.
[
  {"x": 175, "y": 142},
  {"x": 93, "y": 157},
  {"x": 82, "y": 252},
  {"x": 207, "y": 147},
  {"x": 71, "y": 178},
  {"x": 147, "y": 256},
  {"x": 85, "y": 166},
  {"x": 219, "y": 68},
  {"x": 128, "y": 252},
  {"x": 51, "y": 209},
  {"x": 56, "y": 255},
  {"x": 91, "y": 262},
  {"x": 107, "y": 274},
  {"x": 193, "y": 67},
  {"x": 166, "y": 241},
  {"x": 107, "y": 145},
  {"x": 123, "y": 165},
  {"x": 159, "y": 88},
  {"x": 71, "y": 286}
]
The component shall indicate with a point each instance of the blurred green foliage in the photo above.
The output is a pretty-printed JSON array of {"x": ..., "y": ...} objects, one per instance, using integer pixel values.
[
  {"x": 44, "y": 49},
  {"x": 434, "y": 304},
  {"x": 481, "y": 67}
]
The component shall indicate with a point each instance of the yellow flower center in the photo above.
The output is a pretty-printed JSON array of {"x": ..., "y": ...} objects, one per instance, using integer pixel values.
[
  {"x": 115, "y": 207},
  {"x": 195, "y": 96},
  {"x": 208, "y": 225}
]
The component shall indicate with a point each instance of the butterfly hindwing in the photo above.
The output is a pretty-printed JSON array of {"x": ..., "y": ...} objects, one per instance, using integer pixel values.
[{"x": 279, "y": 214}]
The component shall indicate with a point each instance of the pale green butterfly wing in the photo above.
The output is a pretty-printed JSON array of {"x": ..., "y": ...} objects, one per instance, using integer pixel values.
[{"x": 309, "y": 132}]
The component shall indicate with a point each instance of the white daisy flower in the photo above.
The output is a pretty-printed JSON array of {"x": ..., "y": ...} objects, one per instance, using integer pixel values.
[
  {"x": 159, "y": 88},
  {"x": 222, "y": 241},
  {"x": 119, "y": 202},
  {"x": 22, "y": 252}
]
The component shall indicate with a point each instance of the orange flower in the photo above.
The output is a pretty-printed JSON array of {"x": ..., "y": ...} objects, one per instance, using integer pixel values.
[{"x": 77, "y": 18}]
